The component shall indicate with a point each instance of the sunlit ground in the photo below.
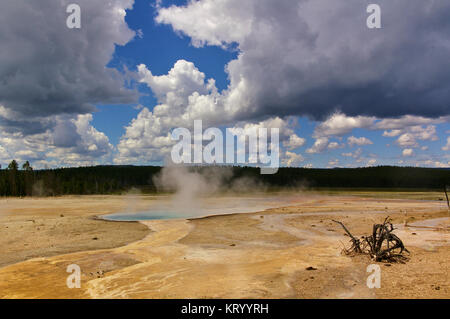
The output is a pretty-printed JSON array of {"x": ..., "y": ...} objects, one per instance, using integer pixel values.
[{"x": 261, "y": 248}]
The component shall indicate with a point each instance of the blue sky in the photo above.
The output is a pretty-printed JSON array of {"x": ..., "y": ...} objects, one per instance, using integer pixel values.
[
  {"x": 341, "y": 94},
  {"x": 159, "y": 48}
]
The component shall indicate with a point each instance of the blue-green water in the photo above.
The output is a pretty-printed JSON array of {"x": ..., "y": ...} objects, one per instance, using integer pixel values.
[
  {"x": 147, "y": 215},
  {"x": 207, "y": 207}
]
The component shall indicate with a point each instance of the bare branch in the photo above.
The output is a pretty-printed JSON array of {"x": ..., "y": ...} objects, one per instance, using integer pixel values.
[{"x": 382, "y": 245}]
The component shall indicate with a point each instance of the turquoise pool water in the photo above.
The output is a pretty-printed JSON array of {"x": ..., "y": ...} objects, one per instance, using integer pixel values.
[
  {"x": 151, "y": 215},
  {"x": 163, "y": 209}
]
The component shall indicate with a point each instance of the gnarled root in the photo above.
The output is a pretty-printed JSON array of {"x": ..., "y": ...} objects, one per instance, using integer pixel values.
[{"x": 382, "y": 245}]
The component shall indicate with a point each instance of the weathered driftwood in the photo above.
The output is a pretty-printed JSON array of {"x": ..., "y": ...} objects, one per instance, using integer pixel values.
[
  {"x": 381, "y": 245},
  {"x": 356, "y": 243}
]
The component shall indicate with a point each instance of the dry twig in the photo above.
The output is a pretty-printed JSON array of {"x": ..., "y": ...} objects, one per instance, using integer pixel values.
[{"x": 382, "y": 245}]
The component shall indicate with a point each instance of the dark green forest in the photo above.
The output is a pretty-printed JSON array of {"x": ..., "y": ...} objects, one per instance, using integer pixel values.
[{"x": 24, "y": 181}]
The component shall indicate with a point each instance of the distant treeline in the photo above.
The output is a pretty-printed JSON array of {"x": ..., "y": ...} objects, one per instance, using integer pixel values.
[{"x": 118, "y": 179}]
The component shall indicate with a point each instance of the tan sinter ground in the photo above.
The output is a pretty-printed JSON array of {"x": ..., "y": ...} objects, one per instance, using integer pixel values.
[{"x": 255, "y": 255}]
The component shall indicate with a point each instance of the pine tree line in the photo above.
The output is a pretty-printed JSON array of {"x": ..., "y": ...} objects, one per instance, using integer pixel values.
[{"x": 117, "y": 179}]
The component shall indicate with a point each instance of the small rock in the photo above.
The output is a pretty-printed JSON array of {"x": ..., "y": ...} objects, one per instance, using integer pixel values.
[
  {"x": 95, "y": 238},
  {"x": 437, "y": 288},
  {"x": 61, "y": 215},
  {"x": 311, "y": 268},
  {"x": 413, "y": 234},
  {"x": 232, "y": 245}
]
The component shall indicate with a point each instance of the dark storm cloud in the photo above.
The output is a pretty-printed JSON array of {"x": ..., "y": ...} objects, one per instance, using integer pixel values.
[
  {"x": 47, "y": 69},
  {"x": 65, "y": 134},
  {"x": 400, "y": 69},
  {"x": 313, "y": 57},
  {"x": 26, "y": 126}
]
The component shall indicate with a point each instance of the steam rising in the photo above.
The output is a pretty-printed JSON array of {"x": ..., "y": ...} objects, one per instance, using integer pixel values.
[{"x": 191, "y": 185}]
